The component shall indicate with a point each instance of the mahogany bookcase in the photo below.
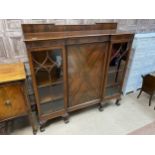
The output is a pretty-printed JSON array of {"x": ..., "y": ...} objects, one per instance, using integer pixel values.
[{"x": 75, "y": 66}]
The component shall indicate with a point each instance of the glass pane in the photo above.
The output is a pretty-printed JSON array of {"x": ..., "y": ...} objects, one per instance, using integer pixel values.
[
  {"x": 50, "y": 93},
  {"x": 52, "y": 106},
  {"x": 118, "y": 56},
  {"x": 110, "y": 91},
  {"x": 116, "y": 70},
  {"x": 48, "y": 66},
  {"x": 49, "y": 77},
  {"x": 114, "y": 78},
  {"x": 38, "y": 58},
  {"x": 42, "y": 77}
]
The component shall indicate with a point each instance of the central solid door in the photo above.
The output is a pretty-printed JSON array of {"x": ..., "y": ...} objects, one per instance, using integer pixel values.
[{"x": 86, "y": 63}]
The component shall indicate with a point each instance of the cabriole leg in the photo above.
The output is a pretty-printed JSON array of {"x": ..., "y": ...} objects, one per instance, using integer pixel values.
[
  {"x": 42, "y": 126},
  {"x": 66, "y": 118},
  {"x": 101, "y": 108},
  {"x": 118, "y": 102}
]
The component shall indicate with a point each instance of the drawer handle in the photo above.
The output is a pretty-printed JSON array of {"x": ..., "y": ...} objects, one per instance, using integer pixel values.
[{"x": 7, "y": 103}]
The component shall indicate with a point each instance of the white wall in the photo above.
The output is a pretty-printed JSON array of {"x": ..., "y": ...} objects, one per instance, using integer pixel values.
[{"x": 13, "y": 49}]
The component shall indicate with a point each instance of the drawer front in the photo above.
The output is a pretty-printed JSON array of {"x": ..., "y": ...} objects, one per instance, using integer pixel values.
[{"x": 12, "y": 101}]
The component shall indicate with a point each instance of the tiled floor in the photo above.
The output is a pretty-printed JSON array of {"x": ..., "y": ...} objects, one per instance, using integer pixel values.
[{"x": 132, "y": 114}]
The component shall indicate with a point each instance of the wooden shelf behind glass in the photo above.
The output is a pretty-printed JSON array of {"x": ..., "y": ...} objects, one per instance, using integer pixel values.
[
  {"x": 50, "y": 98},
  {"x": 47, "y": 83},
  {"x": 51, "y": 93}
]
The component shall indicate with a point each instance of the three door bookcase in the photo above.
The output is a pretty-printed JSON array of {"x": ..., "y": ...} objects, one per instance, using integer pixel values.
[{"x": 75, "y": 66}]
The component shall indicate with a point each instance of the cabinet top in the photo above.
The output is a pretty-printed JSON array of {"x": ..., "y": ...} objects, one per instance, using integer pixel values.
[
  {"x": 12, "y": 72},
  {"x": 38, "y": 32},
  {"x": 70, "y": 34}
]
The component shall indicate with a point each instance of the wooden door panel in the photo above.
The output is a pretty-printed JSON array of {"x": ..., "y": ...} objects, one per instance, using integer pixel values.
[
  {"x": 85, "y": 72},
  {"x": 12, "y": 101}
]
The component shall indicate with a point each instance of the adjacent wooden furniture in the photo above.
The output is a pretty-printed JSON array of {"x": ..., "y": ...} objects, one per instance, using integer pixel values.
[
  {"x": 148, "y": 86},
  {"x": 13, "y": 96},
  {"x": 75, "y": 66}
]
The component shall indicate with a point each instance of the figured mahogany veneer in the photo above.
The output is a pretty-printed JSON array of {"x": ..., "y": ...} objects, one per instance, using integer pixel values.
[
  {"x": 12, "y": 101},
  {"x": 75, "y": 66},
  {"x": 85, "y": 72}
]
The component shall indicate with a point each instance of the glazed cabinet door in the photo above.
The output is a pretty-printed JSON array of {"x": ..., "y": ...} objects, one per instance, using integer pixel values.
[
  {"x": 85, "y": 72},
  {"x": 117, "y": 63},
  {"x": 48, "y": 79}
]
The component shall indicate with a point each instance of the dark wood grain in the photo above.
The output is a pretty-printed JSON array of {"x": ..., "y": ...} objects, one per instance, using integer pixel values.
[
  {"x": 75, "y": 34},
  {"x": 7, "y": 93},
  {"x": 43, "y": 58},
  {"x": 36, "y": 28},
  {"x": 86, "y": 52},
  {"x": 14, "y": 103},
  {"x": 85, "y": 63},
  {"x": 148, "y": 86}
]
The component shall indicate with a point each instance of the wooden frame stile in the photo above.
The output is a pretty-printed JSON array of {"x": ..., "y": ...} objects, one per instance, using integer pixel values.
[
  {"x": 66, "y": 92},
  {"x": 105, "y": 70},
  {"x": 34, "y": 81}
]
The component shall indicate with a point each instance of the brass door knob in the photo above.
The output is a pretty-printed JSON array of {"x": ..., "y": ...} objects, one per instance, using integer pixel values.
[{"x": 8, "y": 103}]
